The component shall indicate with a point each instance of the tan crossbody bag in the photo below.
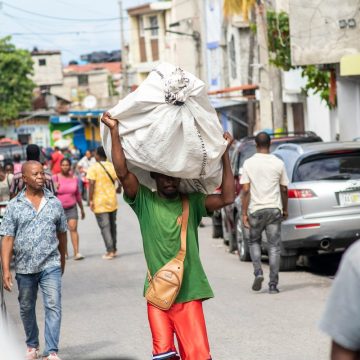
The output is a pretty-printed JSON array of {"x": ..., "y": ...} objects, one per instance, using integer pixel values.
[{"x": 165, "y": 285}]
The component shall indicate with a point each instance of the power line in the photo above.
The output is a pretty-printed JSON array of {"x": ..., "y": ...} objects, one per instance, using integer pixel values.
[
  {"x": 56, "y": 17},
  {"x": 64, "y": 33}
]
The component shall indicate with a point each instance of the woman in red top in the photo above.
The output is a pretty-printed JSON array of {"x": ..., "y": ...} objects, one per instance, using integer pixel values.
[
  {"x": 56, "y": 159},
  {"x": 67, "y": 188}
]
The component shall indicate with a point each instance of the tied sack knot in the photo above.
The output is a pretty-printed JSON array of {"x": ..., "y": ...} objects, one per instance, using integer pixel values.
[{"x": 177, "y": 87}]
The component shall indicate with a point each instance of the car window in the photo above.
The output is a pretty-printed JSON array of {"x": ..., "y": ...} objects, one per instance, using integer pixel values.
[{"x": 335, "y": 166}]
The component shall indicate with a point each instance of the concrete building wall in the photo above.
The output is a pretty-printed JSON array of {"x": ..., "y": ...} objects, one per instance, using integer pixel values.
[
  {"x": 49, "y": 73},
  {"x": 97, "y": 86},
  {"x": 191, "y": 18},
  {"x": 154, "y": 42},
  {"x": 323, "y": 31}
]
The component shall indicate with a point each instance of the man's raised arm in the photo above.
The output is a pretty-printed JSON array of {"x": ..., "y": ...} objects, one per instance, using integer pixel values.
[
  {"x": 227, "y": 196},
  {"x": 128, "y": 180}
]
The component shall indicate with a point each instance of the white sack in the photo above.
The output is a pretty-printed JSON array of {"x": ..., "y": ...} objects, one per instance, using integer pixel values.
[{"x": 184, "y": 141}]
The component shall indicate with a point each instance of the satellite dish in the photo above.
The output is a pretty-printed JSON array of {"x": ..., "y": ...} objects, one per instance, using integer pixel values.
[{"x": 89, "y": 102}]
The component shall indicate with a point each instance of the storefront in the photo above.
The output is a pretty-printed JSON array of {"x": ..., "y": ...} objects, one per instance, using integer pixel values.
[{"x": 78, "y": 129}]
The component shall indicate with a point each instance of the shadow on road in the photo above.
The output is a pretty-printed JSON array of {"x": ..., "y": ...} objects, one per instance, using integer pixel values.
[{"x": 324, "y": 264}]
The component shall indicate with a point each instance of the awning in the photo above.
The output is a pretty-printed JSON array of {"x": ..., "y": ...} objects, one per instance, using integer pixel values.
[
  {"x": 221, "y": 103},
  {"x": 72, "y": 129},
  {"x": 350, "y": 65}
]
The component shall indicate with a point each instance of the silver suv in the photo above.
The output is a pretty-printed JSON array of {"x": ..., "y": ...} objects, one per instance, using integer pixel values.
[{"x": 324, "y": 200}]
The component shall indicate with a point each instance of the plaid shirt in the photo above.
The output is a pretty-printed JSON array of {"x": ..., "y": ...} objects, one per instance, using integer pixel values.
[{"x": 17, "y": 183}]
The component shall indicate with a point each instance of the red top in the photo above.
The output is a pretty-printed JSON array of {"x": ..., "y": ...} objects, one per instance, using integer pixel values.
[
  {"x": 67, "y": 190},
  {"x": 56, "y": 158}
]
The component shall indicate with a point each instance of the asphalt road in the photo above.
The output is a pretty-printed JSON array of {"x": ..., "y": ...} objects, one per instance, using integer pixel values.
[{"x": 104, "y": 313}]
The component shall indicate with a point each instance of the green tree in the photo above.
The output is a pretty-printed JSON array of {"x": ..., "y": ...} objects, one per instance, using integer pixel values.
[{"x": 16, "y": 86}]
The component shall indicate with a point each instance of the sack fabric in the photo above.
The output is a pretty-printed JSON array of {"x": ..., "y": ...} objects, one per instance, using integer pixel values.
[{"x": 167, "y": 125}]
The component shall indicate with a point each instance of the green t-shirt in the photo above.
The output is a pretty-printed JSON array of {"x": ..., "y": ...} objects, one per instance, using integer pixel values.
[{"x": 160, "y": 230}]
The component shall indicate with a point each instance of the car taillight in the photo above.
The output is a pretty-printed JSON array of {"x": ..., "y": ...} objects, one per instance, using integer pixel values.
[
  {"x": 301, "y": 194},
  {"x": 307, "y": 226}
]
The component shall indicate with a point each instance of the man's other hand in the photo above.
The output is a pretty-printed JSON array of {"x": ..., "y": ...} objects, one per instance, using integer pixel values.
[
  {"x": 7, "y": 279},
  {"x": 245, "y": 220},
  {"x": 229, "y": 139},
  {"x": 109, "y": 121}
]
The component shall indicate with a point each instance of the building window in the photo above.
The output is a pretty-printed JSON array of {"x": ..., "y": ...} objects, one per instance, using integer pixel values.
[
  {"x": 232, "y": 56},
  {"x": 154, "y": 26},
  {"x": 42, "y": 62},
  {"x": 83, "y": 80}
]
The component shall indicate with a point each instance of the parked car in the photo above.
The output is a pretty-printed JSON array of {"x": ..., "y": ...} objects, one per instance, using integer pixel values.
[
  {"x": 244, "y": 149},
  {"x": 324, "y": 201}
]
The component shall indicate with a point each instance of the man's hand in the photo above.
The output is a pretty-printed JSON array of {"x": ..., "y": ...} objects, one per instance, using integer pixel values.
[
  {"x": 229, "y": 139},
  {"x": 109, "y": 121},
  {"x": 92, "y": 206},
  {"x": 245, "y": 220},
  {"x": 285, "y": 214},
  {"x": 7, "y": 280}
]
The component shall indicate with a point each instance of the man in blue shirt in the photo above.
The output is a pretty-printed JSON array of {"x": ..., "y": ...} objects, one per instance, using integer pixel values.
[{"x": 34, "y": 231}]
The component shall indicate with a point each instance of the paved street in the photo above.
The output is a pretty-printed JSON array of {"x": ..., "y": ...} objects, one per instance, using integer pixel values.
[{"x": 104, "y": 313}]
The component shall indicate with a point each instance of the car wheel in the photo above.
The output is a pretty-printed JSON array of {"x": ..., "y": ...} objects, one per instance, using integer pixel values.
[
  {"x": 241, "y": 242},
  {"x": 288, "y": 263},
  {"x": 217, "y": 231}
]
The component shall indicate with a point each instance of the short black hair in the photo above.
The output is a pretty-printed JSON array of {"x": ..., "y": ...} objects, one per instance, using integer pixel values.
[
  {"x": 65, "y": 160},
  {"x": 17, "y": 158},
  {"x": 32, "y": 152},
  {"x": 101, "y": 152},
  {"x": 262, "y": 140}
]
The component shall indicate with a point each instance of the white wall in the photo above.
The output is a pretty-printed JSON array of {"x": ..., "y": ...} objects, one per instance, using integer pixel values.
[
  {"x": 349, "y": 107},
  {"x": 317, "y": 115},
  {"x": 49, "y": 74}
]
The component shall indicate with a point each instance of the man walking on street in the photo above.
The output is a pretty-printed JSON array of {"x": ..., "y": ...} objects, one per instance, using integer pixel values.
[
  {"x": 159, "y": 215},
  {"x": 17, "y": 183},
  {"x": 103, "y": 201},
  {"x": 34, "y": 231},
  {"x": 264, "y": 205}
]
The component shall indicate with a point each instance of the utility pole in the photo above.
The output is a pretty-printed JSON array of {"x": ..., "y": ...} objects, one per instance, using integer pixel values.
[
  {"x": 264, "y": 83},
  {"x": 276, "y": 85},
  {"x": 124, "y": 55}
]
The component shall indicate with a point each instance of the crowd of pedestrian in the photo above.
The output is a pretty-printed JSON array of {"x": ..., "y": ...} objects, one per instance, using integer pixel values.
[{"x": 44, "y": 199}]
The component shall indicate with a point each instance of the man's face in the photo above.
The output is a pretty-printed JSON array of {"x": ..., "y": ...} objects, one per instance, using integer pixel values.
[
  {"x": 88, "y": 154},
  {"x": 167, "y": 186},
  {"x": 34, "y": 176}
]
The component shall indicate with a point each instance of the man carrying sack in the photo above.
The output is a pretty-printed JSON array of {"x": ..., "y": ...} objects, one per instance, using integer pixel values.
[{"x": 163, "y": 215}]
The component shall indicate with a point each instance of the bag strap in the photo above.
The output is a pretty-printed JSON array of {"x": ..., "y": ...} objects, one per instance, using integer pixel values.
[
  {"x": 110, "y": 177},
  {"x": 184, "y": 222}
]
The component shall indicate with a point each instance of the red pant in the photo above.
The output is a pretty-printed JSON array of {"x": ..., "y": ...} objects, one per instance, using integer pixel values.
[{"x": 187, "y": 321}]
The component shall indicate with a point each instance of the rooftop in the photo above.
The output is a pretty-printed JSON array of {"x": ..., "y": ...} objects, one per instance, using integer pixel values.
[{"x": 113, "y": 67}]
